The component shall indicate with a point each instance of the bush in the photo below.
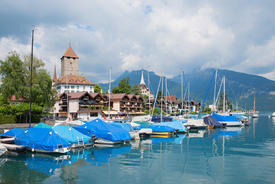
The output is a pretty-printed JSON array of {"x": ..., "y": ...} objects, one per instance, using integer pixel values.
[{"x": 7, "y": 119}]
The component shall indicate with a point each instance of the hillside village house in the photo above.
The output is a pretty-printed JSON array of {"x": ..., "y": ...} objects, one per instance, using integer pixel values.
[{"x": 87, "y": 106}]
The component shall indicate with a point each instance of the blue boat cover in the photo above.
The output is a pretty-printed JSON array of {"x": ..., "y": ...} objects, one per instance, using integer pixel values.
[
  {"x": 14, "y": 132},
  {"x": 45, "y": 165},
  {"x": 239, "y": 116},
  {"x": 210, "y": 120},
  {"x": 125, "y": 126},
  {"x": 224, "y": 118},
  {"x": 41, "y": 138},
  {"x": 42, "y": 125},
  {"x": 174, "y": 124},
  {"x": 158, "y": 128},
  {"x": 156, "y": 118},
  {"x": 70, "y": 134},
  {"x": 103, "y": 130}
]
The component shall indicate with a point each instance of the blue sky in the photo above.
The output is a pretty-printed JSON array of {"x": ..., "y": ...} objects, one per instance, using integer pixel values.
[{"x": 136, "y": 34}]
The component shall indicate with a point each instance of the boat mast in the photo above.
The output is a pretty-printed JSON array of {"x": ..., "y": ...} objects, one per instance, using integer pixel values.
[
  {"x": 181, "y": 89},
  {"x": 148, "y": 90},
  {"x": 109, "y": 96},
  {"x": 166, "y": 95},
  {"x": 223, "y": 110},
  {"x": 254, "y": 104},
  {"x": 161, "y": 96},
  {"x": 67, "y": 95},
  {"x": 214, "y": 104},
  {"x": 30, "y": 118}
]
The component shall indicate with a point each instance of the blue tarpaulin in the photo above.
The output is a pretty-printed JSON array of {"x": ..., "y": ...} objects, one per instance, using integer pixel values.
[
  {"x": 14, "y": 132},
  {"x": 70, "y": 134},
  {"x": 103, "y": 130},
  {"x": 125, "y": 126},
  {"x": 41, "y": 138},
  {"x": 157, "y": 119},
  {"x": 42, "y": 125},
  {"x": 174, "y": 124},
  {"x": 221, "y": 118},
  {"x": 158, "y": 128},
  {"x": 210, "y": 120}
]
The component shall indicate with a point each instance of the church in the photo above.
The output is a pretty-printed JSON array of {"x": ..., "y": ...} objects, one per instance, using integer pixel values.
[{"x": 70, "y": 81}]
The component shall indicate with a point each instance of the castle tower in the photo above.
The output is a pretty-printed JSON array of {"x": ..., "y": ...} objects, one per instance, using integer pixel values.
[{"x": 71, "y": 60}]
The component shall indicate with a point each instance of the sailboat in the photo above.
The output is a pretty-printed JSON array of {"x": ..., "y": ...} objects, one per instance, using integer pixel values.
[{"x": 255, "y": 113}]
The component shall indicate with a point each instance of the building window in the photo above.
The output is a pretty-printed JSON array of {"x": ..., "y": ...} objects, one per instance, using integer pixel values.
[
  {"x": 91, "y": 87},
  {"x": 83, "y": 87},
  {"x": 66, "y": 87},
  {"x": 72, "y": 87},
  {"x": 77, "y": 87},
  {"x": 77, "y": 91},
  {"x": 70, "y": 62},
  {"x": 72, "y": 91},
  {"x": 90, "y": 91},
  {"x": 58, "y": 87}
]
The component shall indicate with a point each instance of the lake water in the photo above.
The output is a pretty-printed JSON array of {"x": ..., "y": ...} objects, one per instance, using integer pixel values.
[{"x": 230, "y": 155}]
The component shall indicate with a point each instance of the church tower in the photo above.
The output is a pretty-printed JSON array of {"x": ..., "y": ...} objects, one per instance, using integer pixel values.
[{"x": 71, "y": 60}]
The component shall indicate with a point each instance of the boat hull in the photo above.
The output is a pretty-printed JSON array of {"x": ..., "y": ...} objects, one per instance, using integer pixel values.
[{"x": 58, "y": 151}]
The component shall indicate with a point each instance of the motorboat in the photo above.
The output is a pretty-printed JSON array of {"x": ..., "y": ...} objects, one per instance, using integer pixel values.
[
  {"x": 73, "y": 136},
  {"x": 43, "y": 140},
  {"x": 104, "y": 132}
]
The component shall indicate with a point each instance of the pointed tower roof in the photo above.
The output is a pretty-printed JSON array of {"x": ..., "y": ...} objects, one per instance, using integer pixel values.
[
  {"x": 142, "y": 79},
  {"x": 54, "y": 75},
  {"x": 70, "y": 53}
]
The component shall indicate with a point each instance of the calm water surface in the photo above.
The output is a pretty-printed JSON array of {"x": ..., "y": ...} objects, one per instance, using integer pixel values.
[{"x": 230, "y": 155}]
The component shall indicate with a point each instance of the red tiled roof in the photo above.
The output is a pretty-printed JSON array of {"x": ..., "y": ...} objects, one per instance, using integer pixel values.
[
  {"x": 74, "y": 79},
  {"x": 13, "y": 98},
  {"x": 70, "y": 53},
  {"x": 170, "y": 98}
]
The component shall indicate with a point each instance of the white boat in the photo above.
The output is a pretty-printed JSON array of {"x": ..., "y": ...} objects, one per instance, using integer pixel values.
[
  {"x": 195, "y": 124},
  {"x": 99, "y": 140},
  {"x": 14, "y": 147},
  {"x": 273, "y": 114}
]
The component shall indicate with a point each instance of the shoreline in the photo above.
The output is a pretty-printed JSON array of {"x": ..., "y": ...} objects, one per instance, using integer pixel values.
[{"x": 16, "y": 125}]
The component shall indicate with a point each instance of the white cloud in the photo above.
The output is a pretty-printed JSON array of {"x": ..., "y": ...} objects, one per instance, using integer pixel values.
[{"x": 130, "y": 35}]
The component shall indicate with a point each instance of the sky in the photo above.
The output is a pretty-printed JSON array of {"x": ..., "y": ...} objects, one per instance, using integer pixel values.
[{"x": 155, "y": 35}]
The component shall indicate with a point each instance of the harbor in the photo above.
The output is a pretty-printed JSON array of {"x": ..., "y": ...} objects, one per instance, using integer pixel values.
[{"x": 220, "y": 155}]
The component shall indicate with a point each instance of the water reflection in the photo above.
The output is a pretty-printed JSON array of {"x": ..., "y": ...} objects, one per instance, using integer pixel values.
[{"x": 46, "y": 163}]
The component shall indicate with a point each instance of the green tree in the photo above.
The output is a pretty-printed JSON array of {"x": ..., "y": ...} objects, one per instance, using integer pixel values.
[
  {"x": 160, "y": 95},
  {"x": 124, "y": 86},
  {"x": 116, "y": 90},
  {"x": 42, "y": 92},
  {"x": 98, "y": 89},
  {"x": 135, "y": 90},
  {"x": 13, "y": 75},
  {"x": 228, "y": 104}
]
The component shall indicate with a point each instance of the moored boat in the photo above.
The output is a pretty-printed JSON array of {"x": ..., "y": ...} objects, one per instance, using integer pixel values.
[
  {"x": 104, "y": 132},
  {"x": 73, "y": 136},
  {"x": 43, "y": 140}
]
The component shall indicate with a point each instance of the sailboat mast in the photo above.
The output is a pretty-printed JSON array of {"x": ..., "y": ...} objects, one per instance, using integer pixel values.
[
  {"x": 223, "y": 110},
  {"x": 181, "y": 90},
  {"x": 30, "y": 118},
  {"x": 109, "y": 96},
  {"x": 254, "y": 104},
  {"x": 166, "y": 94},
  {"x": 161, "y": 96}
]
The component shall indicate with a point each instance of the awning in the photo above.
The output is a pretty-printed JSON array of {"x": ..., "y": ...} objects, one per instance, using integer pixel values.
[{"x": 111, "y": 112}]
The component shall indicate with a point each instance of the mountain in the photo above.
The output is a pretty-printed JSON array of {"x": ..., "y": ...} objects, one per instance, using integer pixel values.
[{"x": 240, "y": 87}]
